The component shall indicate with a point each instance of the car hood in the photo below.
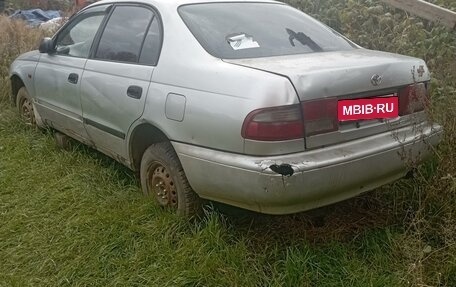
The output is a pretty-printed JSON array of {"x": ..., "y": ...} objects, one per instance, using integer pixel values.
[{"x": 333, "y": 74}]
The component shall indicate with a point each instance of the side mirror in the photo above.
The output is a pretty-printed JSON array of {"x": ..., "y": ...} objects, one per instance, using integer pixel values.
[{"x": 47, "y": 46}]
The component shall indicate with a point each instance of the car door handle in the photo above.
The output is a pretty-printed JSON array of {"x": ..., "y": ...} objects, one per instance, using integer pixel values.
[
  {"x": 73, "y": 78},
  {"x": 134, "y": 92}
]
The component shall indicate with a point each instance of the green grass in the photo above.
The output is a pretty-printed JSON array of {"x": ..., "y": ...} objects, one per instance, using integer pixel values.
[{"x": 77, "y": 218}]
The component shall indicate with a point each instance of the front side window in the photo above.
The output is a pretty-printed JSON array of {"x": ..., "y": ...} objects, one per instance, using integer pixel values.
[
  {"x": 251, "y": 30},
  {"x": 124, "y": 34},
  {"x": 77, "y": 37}
]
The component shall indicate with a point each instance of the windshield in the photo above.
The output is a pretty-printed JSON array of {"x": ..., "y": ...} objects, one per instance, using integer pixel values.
[{"x": 251, "y": 30}]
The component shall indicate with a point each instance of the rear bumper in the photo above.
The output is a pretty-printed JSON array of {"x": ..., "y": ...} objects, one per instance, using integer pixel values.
[{"x": 321, "y": 177}]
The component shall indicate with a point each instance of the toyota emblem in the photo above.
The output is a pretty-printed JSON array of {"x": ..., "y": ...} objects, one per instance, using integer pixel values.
[{"x": 376, "y": 80}]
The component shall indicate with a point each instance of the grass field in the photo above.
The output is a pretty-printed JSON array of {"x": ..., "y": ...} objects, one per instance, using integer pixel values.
[{"x": 77, "y": 218}]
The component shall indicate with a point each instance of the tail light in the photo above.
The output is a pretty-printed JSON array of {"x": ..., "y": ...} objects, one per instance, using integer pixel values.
[
  {"x": 320, "y": 116},
  {"x": 413, "y": 98},
  {"x": 291, "y": 122},
  {"x": 274, "y": 124}
]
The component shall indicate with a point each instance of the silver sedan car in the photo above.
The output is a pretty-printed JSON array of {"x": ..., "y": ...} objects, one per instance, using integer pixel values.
[{"x": 250, "y": 103}]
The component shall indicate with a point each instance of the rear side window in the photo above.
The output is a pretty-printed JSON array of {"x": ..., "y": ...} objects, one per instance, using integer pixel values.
[
  {"x": 250, "y": 30},
  {"x": 152, "y": 45},
  {"x": 124, "y": 34}
]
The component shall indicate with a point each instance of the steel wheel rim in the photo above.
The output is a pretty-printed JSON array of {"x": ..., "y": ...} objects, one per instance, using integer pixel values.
[
  {"x": 27, "y": 114},
  {"x": 161, "y": 185}
]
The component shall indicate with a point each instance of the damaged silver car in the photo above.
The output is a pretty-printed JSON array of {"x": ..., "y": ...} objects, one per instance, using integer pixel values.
[{"x": 250, "y": 103}]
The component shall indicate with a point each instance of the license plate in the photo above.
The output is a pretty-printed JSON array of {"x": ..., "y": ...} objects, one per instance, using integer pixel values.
[{"x": 368, "y": 109}]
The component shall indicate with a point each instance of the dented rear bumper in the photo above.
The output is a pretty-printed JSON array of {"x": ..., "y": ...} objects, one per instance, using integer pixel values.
[{"x": 312, "y": 178}]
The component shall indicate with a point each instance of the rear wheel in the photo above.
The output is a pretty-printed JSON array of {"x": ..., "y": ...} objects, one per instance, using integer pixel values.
[
  {"x": 25, "y": 107},
  {"x": 163, "y": 178}
]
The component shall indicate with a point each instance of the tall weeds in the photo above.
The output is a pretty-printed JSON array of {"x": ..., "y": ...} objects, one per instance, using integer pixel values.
[
  {"x": 15, "y": 39},
  {"x": 43, "y": 4}
]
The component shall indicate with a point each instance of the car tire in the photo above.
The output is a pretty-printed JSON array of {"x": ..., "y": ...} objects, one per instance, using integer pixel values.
[
  {"x": 24, "y": 105},
  {"x": 163, "y": 178}
]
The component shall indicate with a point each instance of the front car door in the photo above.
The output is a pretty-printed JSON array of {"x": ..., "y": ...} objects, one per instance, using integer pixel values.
[
  {"x": 117, "y": 76},
  {"x": 58, "y": 75}
]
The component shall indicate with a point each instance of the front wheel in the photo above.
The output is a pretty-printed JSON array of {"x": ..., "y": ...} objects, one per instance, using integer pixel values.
[
  {"x": 25, "y": 107},
  {"x": 163, "y": 178}
]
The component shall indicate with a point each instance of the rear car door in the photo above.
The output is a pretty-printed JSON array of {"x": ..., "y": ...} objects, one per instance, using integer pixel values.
[
  {"x": 117, "y": 76},
  {"x": 58, "y": 75}
]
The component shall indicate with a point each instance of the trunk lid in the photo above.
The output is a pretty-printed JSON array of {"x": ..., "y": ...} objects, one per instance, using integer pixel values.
[
  {"x": 351, "y": 74},
  {"x": 335, "y": 74}
]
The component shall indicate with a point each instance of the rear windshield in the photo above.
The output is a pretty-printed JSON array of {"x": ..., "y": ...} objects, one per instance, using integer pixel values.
[{"x": 251, "y": 30}]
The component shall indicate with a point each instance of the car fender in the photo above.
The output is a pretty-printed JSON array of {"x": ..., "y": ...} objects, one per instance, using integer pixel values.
[{"x": 24, "y": 68}]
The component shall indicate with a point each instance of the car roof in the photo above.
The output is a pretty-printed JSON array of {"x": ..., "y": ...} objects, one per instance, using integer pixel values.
[{"x": 177, "y": 3}]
